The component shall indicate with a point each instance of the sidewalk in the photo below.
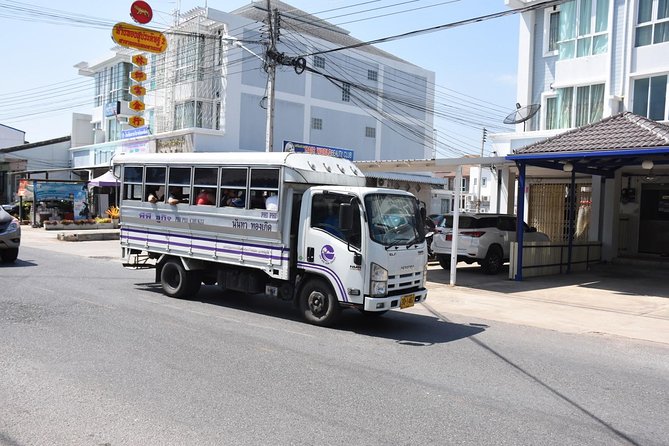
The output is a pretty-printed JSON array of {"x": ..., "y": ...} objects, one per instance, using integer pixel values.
[{"x": 619, "y": 300}]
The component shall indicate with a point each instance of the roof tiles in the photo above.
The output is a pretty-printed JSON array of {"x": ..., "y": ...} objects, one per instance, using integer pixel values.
[{"x": 619, "y": 132}]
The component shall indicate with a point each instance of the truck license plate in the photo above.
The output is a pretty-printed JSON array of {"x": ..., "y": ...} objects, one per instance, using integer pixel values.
[{"x": 407, "y": 301}]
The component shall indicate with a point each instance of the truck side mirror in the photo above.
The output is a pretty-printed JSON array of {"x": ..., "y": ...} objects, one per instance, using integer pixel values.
[{"x": 346, "y": 216}]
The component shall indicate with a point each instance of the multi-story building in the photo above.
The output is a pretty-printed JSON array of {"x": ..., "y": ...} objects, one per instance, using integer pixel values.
[
  {"x": 208, "y": 91},
  {"x": 583, "y": 61}
]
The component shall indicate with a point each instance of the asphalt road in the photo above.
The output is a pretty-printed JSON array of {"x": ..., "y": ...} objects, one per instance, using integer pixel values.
[{"x": 93, "y": 354}]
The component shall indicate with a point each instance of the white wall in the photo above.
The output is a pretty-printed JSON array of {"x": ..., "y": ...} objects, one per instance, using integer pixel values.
[{"x": 10, "y": 137}]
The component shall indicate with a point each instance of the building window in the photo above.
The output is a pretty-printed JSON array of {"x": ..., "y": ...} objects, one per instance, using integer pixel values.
[
  {"x": 316, "y": 123},
  {"x": 370, "y": 132},
  {"x": 652, "y": 22},
  {"x": 575, "y": 106},
  {"x": 650, "y": 97},
  {"x": 372, "y": 75},
  {"x": 346, "y": 92},
  {"x": 583, "y": 28},
  {"x": 189, "y": 59},
  {"x": 196, "y": 114},
  {"x": 483, "y": 183},
  {"x": 319, "y": 62},
  {"x": 551, "y": 30},
  {"x": 464, "y": 185},
  {"x": 551, "y": 113}
]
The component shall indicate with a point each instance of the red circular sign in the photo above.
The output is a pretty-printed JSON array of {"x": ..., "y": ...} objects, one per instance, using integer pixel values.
[{"x": 141, "y": 12}]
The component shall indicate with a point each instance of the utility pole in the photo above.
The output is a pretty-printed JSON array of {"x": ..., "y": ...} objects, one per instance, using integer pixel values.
[
  {"x": 478, "y": 194},
  {"x": 270, "y": 68}
]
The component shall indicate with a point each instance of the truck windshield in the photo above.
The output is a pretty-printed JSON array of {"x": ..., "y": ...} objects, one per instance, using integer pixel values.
[{"x": 394, "y": 219}]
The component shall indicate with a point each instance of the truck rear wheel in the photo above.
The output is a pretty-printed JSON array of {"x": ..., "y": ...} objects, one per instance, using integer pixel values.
[
  {"x": 318, "y": 303},
  {"x": 177, "y": 282}
]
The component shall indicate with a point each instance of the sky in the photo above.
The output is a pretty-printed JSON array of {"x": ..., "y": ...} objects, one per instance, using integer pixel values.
[{"x": 475, "y": 65}]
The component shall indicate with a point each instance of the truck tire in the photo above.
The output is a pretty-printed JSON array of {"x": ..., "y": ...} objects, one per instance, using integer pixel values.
[
  {"x": 177, "y": 282},
  {"x": 318, "y": 303},
  {"x": 493, "y": 260},
  {"x": 444, "y": 261}
]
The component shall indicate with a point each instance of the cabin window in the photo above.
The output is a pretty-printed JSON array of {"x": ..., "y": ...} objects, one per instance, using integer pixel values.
[
  {"x": 132, "y": 183},
  {"x": 264, "y": 184},
  {"x": 233, "y": 187},
  {"x": 154, "y": 184},
  {"x": 179, "y": 185},
  {"x": 204, "y": 184}
]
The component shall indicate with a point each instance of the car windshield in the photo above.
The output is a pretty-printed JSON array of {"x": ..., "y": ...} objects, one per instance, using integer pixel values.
[{"x": 393, "y": 219}]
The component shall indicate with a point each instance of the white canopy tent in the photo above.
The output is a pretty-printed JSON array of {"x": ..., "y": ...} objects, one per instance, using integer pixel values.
[{"x": 106, "y": 179}]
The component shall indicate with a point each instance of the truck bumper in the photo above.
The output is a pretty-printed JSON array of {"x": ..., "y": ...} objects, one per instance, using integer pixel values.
[{"x": 399, "y": 301}]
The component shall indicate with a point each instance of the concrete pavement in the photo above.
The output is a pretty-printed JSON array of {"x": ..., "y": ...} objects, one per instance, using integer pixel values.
[{"x": 630, "y": 301}]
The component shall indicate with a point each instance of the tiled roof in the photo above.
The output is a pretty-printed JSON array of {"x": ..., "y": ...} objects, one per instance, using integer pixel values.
[{"x": 625, "y": 131}]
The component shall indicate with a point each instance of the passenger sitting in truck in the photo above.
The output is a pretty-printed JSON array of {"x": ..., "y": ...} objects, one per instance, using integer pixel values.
[
  {"x": 155, "y": 194},
  {"x": 272, "y": 202},
  {"x": 175, "y": 196},
  {"x": 205, "y": 197}
]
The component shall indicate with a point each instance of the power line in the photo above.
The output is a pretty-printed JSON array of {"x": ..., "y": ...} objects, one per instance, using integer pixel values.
[{"x": 419, "y": 32}]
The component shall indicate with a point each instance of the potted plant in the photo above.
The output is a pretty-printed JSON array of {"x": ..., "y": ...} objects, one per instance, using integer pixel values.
[{"x": 114, "y": 213}]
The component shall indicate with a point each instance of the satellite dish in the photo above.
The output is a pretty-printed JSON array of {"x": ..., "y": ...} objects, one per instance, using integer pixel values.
[{"x": 522, "y": 114}]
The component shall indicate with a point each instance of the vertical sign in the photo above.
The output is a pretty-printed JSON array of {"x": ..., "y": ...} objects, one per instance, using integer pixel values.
[{"x": 137, "y": 90}]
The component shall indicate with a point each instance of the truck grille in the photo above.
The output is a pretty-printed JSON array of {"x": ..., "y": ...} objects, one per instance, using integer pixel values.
[{"x": 403, "y": 283}]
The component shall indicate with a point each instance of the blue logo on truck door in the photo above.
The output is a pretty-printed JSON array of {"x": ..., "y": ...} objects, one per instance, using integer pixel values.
[{"x": 327, "y": 254}]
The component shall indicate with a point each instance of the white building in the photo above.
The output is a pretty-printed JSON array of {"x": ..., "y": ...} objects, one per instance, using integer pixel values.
[
  {"x": 207, "y": 92},
  {"x": 10, "y": 136},
  {"x": 583, "y": 61}
]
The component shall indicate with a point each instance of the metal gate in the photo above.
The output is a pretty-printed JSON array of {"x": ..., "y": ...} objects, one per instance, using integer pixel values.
[{"x": 548, "y": 210}]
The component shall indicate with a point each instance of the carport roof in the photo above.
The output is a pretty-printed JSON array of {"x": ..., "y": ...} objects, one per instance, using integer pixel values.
[{"x": 602, "y": 147}]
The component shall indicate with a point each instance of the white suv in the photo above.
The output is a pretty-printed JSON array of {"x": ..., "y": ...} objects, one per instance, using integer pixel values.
[{"x": 483, "y": 238}]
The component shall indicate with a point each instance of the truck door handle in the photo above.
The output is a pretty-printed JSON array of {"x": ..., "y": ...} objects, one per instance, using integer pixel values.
[{"x": 310, "y": 254}]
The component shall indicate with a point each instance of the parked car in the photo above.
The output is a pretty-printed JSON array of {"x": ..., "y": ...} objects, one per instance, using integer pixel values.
[
  {"x": 483, "y": 238},
  {"x": 11, "y": 208},
  {"x": 10, "y": 237},
  {"x": 437, "y": 218}
]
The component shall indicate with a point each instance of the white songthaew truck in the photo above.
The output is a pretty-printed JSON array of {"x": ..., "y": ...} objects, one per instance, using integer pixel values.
[{"x": 297, "y": 226}]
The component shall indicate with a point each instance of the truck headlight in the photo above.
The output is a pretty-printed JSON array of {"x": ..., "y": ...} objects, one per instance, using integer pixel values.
[{"x": 379, "y": 285}]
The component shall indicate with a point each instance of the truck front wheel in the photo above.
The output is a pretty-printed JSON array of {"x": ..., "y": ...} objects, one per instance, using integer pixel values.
[
  {"x": 318, "y": 303},
  {"x": 177, "y": 282}
]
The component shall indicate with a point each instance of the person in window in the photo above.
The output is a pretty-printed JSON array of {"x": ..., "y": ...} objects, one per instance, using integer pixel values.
[
  {"x": 156, "y": 194},
  {"x": 175, "y": 196},
  {"x": 328, "y": 220},
  {"x": 228, "y": 197},
  {"x": 205, "y": 197},
  {"x": 272, "y": 202}
]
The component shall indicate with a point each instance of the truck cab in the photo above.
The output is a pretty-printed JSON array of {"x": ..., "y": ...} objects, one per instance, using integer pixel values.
[{"x": 368, "y": 243}]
